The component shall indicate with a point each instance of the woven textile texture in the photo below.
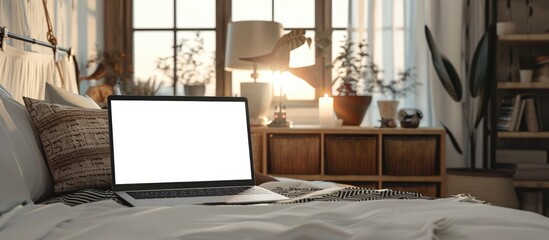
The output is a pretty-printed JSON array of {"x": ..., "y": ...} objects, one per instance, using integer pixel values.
[{"x": 75, "y": 142}]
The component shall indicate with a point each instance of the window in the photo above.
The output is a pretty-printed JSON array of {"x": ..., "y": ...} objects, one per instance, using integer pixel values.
[
  {"x": 168, "y": 32},
  {"x": 381, "y": 23},
  {"x": 155, "y": 35}
]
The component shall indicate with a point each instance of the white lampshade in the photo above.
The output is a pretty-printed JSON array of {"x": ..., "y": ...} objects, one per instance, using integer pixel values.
[{"x": 250, "y": 39}]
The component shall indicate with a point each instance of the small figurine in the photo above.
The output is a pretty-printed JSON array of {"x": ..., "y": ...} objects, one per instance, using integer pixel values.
[{"x": 409, "y": 117}]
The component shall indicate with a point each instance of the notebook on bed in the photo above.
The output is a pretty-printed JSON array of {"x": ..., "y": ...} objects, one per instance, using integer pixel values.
[{"x": 171, "y": 150}]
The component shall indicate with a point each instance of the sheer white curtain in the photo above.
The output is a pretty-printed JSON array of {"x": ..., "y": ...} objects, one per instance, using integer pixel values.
[{"x": 393, "y": 30}]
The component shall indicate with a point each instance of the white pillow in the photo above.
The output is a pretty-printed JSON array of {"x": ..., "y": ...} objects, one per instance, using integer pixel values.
[
  {"x": 61, "y": 96},
  {"x": 22, "y": 143},
  {"x": 13, "y": 190}
]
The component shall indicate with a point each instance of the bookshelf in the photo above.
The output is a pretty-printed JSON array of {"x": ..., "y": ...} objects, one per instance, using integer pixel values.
[
  {"x": 526, "y": 49},
  {"x": 512, "y": 53}
]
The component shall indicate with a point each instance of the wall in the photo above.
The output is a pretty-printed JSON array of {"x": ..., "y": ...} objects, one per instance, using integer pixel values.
[{"x": 76, "y": 24}]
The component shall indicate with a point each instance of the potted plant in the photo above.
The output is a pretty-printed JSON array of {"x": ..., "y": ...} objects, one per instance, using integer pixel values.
[
  {"x": 350, "y": 66},
  {"x": 358, "y": 70},
  {"x": 192, "y": 69}
]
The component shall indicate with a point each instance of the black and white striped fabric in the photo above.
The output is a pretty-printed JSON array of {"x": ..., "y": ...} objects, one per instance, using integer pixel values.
[
  {"x": 85, "y": 196},
  {"x": 351, "y": 194}
]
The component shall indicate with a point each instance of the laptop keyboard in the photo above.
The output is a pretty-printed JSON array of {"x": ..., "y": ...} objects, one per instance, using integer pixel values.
[{"x": 181, "y": 193}]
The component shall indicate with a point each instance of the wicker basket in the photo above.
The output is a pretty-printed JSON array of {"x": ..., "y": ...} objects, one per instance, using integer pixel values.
[
  {"x": 398, "y": 149},
  {"x": 351, "y": 155},
  {"x": 294, "y": 154}
]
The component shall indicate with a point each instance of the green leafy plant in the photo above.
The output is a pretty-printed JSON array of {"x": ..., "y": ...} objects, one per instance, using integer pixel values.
[
  {"x": 354, "y": 69},
  {"x": 191, "y": 69},
  {"x": 478, "y": 86}
]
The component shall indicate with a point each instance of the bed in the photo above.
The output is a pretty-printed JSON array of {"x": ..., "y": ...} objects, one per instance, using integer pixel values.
[{"x": 40, "y": 196}]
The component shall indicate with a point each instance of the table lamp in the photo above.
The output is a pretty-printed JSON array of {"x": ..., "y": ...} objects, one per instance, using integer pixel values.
[
  {"x": 285, "y": 56},
  {"x": 248, "y": 39}
]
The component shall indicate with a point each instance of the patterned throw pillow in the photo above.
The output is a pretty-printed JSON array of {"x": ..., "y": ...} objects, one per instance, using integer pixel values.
[{"x": 75, "y": 142}]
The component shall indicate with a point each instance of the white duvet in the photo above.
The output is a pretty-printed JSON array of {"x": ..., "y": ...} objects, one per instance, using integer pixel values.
[{"x": 383, "y": 219}]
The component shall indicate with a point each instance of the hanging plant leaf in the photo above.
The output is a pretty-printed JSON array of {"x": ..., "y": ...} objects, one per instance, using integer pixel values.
[
  {"x": 452, "y": 139},
  {"x": 485, "y": 94},
  {"x": 454, "y": 80},
  {"x": 452, "y": 86},
  {"x": 479, "y": 67}
]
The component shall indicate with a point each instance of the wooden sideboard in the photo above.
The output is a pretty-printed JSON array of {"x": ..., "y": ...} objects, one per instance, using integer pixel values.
[{"x": 396, "y": 158}]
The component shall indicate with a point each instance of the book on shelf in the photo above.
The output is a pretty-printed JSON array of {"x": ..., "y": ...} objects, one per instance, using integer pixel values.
[
  {"x": 532, "y": 174},
  {"x": 539, "y": 115},
  {"x": 519, "y": 112},
  {"x": 521, "y": 156},
  {"x": 529, "y": 165},
  {"x": 531, "y": 116},
  {"x": 516, "y": 113},
  {"x": 505, "y": 113}
]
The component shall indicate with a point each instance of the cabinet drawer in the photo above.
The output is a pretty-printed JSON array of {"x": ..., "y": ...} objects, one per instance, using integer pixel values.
[
  {"x": 351, "y": 154},
  {"x": 257, "y": 151},
  {"x": 411, "y": 155},
  {"x": 294, "y": 154},
  {"x": 426, "y": 189}
]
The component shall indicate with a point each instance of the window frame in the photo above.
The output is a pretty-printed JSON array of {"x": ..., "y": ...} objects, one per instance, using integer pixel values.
[{"x": 223, "y": 82}]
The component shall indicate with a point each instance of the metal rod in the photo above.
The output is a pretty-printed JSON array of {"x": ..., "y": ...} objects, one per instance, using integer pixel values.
[{"x": 33, "y": 41}]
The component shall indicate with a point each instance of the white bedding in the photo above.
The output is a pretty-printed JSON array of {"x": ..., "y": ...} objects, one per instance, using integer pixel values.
[{"x": 384, "y": 219}]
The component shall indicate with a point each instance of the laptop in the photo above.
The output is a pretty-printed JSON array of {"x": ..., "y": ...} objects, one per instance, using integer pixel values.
[{"x": 172, "y": 150}]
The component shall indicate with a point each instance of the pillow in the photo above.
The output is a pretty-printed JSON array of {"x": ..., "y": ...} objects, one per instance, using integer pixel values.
[
  {"x": 64, "y": 97},
  {"x": 13, "y": 190},
  {"x": 22, "y": 143},
  {"x": 75, "y": 142}
]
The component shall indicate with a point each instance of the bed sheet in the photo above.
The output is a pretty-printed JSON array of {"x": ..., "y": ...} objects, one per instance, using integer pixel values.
[
  {"x": 383, "y": 219},
  {"x": 447, "y": 218}
]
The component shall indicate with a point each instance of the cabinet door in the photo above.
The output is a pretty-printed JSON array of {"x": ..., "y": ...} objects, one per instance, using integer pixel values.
[
  {"x": 257, "y": 151},
  {"x": 294, "y": 154},
  {"x": 351, "y": 154},
  {"x": 411, "y": 155}
]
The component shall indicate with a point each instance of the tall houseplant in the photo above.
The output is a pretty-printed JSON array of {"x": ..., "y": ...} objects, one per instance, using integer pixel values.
[
  {"x": 191, "y": 70},
  {"x": 478, "y": 85}
]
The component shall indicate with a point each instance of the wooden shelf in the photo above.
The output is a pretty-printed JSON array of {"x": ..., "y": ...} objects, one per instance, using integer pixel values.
[
  {"x": 523, "y": 134},
  {"x": 531, "y": 184},
  {"x": 520, "y": 85},
  {"x": 544, "y": 37},
  {"x": 400, "y": 158}
]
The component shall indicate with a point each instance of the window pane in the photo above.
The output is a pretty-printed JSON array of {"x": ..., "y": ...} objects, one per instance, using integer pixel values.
[
  {"x": 189, "y": 17},
  {"x": 338, "y": 39},
  {"x": 148, "y": 47},
  {"x": 196, "y": 59},
  {"x": 293, "y": 87},
  {"x": 295, "y": 14},
  {"x": 243, "y": 10},
  {"x": 153, "y": 14},
  {"x": 340, "y": 13}
]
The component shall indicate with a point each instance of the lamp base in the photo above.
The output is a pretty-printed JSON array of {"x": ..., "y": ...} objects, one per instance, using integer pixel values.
[{"x": 280, "y": 120}]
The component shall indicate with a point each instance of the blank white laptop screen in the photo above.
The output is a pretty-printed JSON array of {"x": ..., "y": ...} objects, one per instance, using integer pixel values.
[{"x": 179, "y": 141}]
